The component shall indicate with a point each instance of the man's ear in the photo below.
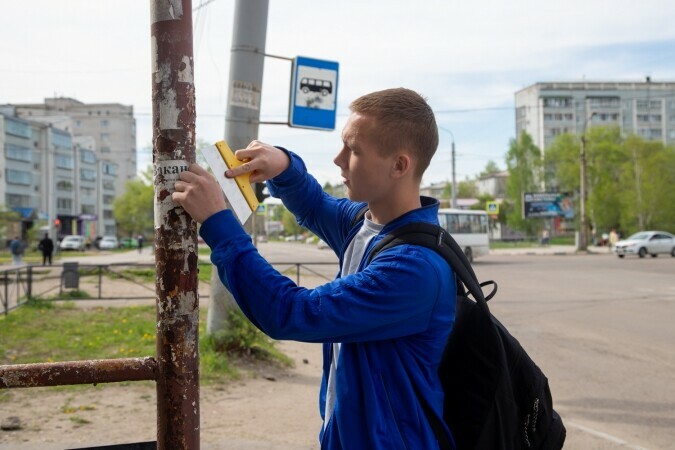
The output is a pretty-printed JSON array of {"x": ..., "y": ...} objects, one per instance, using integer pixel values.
[{"x": 402, "y": 165}]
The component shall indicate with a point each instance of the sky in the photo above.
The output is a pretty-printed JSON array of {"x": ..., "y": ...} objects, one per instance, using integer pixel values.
[{"x": 467, "y": 58}]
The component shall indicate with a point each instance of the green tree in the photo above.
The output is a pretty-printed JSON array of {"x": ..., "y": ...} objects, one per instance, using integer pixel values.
[
  {"x": 648, "y": 177},
  {"x": 491, "y": 168},
  {"x": 291, "y": 226},
  {"x": 523, "y": 161},
  {"x": 465, "y": 189},
  {"x": 133, "y": 210}
]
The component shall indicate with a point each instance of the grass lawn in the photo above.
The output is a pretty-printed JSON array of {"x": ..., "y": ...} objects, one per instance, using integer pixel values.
[{"x": 43, "y": 331}]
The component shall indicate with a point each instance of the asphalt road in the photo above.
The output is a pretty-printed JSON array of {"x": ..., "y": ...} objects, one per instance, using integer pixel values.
[{"x": 601, "y": 328}]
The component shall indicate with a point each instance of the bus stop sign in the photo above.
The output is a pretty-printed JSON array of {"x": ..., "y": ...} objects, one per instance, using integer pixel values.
[{"x": 313, "y": 93}]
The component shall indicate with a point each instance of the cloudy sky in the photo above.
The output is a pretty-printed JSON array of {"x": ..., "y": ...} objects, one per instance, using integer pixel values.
[{"x": 467, "y": 58}]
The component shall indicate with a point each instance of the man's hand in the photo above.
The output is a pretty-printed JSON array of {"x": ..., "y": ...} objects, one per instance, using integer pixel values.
[
  {"x": 263, "y": 162},
  {"x": 199, "y": 193}
]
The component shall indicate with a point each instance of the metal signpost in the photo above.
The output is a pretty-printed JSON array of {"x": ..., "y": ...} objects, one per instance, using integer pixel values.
[{"x": 313, "y": 93}]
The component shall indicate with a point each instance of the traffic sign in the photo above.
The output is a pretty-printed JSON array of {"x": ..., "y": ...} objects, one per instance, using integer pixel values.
[
  {"x": 313, "y": 93},
  {"x": 492, "y": 208}
]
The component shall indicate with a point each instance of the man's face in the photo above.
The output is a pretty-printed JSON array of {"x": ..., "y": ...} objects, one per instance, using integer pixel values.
[{"x": 366, "y": 173}]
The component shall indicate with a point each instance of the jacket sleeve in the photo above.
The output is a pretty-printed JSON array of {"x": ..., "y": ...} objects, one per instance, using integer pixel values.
[
  {"x": 386, "y": 300},
  {"x": 326, "y": 216}
]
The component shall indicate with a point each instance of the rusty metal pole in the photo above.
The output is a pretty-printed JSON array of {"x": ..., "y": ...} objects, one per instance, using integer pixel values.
[{"x": 173, "y": 116}]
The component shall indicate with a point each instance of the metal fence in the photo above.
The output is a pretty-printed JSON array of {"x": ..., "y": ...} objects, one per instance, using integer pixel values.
[{"x": 119, "y": 281}]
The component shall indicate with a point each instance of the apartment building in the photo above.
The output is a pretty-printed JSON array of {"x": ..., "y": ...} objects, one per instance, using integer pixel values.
[
  {"x": 54, "y": 179},
  {"x": 111, "y": 125},
  {"x": 647, "y": 109}
]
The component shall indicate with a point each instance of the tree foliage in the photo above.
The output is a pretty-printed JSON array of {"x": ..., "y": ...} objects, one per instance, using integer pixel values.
[
  {"x": 491, "y": 168},
  {"x": 133, "y": 210},
  {"x": 291, "y": 227},
  {"x": 628, "y": 180}
]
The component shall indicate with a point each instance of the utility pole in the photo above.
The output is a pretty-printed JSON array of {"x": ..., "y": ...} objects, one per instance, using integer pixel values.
[
  {"x": 583, "y": 225},
  {"x": 176, "y": 282},
  {"x": 454, "y": 176},
  {"x": 583, "y": 240},
  {"x": 243, "y": 116},
  {"x": 453, "y": 202}
]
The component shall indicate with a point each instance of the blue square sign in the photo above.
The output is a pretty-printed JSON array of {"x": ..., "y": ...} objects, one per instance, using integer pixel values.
[{"x": 313, "y": 93}]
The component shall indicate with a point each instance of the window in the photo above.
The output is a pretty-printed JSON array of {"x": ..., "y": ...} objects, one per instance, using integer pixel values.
[
  {"x": 109, "y": 169},
  {"x": 64, "y": 203},
  {"x": 18, "y": 152},
  {"x": 64, "y": 185},
  {"x": 108, "y": 199},
  {"x": 105, "y": 149},
  {"x": 17, "y": 128},
  {"x": 87, "y": 191},
  {"x": 105, "y": 136},
  {"x": 109, "y": 185},
  {"x": 18, "y": 201},
  {"x": 649, "y": 104},
  {"x": 87, "y": 156},
  {"x": 604, "y": 102},
  {"x": 64, "y": 161},
  {"x": 557, "y": 102},
  {"x": 19, "y": 177},
  {"x": 108, "y": 214},
  {"x": 87, "y": 174},
  {"x": 88, "y": 209},
  {"x": 61, "y": 139},
  {"x": 105, "y": 123}
]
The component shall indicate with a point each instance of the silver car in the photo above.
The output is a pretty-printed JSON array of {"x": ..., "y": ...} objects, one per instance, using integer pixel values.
[
  {"x": 72, "y": 242},
  {"x": 646, "y": 243}
]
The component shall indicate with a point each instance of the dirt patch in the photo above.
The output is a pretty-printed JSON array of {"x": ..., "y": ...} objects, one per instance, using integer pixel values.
[{"x": 269, "y": 408}]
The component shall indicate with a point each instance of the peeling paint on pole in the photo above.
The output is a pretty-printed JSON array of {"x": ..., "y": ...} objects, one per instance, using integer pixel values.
[{"x": 173, "y": 107}]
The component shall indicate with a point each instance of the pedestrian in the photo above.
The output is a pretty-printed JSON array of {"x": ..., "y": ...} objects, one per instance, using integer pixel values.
[
  {"x": 613, "y": 239},
  {"x": 46, "y": 246},
  {"x": 383, "y": 325},
  {"x": 140, "y": 243},
  {"x": 16, "y": 248},
  {"x": 545, "y": 236}
]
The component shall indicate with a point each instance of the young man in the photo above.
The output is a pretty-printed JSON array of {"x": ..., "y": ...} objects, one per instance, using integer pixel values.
[{"x": 383, "y": 324}]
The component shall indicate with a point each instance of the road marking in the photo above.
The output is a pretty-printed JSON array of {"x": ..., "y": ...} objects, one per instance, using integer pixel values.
[{"x": 606, "y": 436}]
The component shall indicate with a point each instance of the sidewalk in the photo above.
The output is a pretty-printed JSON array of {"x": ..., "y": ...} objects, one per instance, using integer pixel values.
[{"x": 548, "y": 250}]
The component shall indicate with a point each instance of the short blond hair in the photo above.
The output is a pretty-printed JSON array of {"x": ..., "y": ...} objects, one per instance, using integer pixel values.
[{"x": 403, "y": 119}]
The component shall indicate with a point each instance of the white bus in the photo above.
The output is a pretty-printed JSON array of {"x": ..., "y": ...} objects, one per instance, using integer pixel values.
[{"x": 469, "y": 228}]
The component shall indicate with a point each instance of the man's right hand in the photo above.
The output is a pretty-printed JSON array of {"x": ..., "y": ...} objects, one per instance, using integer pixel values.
[{"x": 263, "y": 161}]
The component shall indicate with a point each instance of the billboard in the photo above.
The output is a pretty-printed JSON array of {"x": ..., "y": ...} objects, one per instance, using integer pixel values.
[{"x": 548, "y": 204}]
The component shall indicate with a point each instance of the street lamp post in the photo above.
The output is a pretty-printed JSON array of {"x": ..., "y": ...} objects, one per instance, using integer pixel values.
[
  {"x": 454, "y": 179},
  {"x": 583, "y": 231}
]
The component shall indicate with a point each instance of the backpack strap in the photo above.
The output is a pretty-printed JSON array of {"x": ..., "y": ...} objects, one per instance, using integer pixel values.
[
  {"x": 436, "y": 238},
  {"x": 359, "y": 216}
]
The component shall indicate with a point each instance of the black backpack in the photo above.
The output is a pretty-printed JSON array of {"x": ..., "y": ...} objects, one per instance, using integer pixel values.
[{"x": 495, "y": 395}]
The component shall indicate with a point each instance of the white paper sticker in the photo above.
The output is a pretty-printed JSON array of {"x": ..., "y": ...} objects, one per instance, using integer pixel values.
[{"x": 166, "y": 174}]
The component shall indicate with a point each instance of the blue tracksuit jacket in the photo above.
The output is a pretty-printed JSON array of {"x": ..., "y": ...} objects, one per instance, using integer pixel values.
[{"x": 392, "y": 317}]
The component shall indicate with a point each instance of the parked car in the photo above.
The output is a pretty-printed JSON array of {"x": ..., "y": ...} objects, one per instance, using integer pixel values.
[
  {"x": 108, "y": 243},
  {"x": 646, "y": 242},
  {"x": 128, "y": 243},
  {"x": 72, "y": 242}
]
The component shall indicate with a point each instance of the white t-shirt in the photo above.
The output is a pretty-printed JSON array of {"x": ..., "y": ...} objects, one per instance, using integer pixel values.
[{"x": 350, "y": 264}]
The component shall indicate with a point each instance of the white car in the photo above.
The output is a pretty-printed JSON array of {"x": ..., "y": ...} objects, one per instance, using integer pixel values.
[
  {"x": 72, "y": 242},
  {"x": 646, "y": 242},
  {"x": 108, "y": 243}
]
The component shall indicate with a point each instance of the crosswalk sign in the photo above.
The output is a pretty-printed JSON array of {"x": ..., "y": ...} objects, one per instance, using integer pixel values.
[{"x": 492, "y": 208}]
